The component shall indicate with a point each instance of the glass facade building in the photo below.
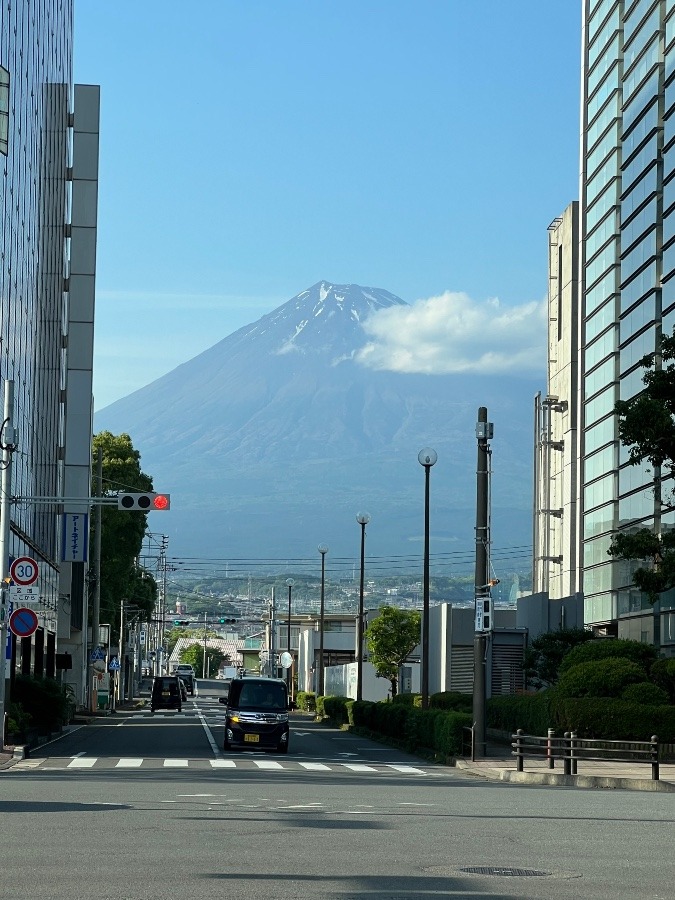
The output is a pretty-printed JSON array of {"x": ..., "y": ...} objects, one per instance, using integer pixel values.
[
  {"x": 35, "y": 146},
  {"x": 628, "y": 286}
]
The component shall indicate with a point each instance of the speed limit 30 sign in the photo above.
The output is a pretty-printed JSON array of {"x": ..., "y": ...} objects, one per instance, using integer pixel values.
[{"x": 24, "y": 571}]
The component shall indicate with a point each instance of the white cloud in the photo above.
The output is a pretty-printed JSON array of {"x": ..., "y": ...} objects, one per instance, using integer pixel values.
[{"x": 453, "y": 333}]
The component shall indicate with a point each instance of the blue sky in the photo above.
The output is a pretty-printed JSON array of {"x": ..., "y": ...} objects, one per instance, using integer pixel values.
[{"x": 251, "y": 149}]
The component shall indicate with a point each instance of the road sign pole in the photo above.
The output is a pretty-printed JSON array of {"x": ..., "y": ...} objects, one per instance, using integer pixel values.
[{"x": 7, "y": 440}]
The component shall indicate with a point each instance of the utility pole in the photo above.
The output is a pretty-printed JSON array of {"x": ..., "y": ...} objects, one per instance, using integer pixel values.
[
  {"x": 484, "y": 431},
  {"x": 204, "y": 655},
  {"x": 96, "y": 606},
  {"x": 8, "y": 446}
]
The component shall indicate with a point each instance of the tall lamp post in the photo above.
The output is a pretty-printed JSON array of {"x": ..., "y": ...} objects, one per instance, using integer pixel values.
[
  {"x": 362, "y": 518},
  {"x": 427, "y": 458},
  {"x": 323, "y": 549},
  {"x": 290, "y": 583}
]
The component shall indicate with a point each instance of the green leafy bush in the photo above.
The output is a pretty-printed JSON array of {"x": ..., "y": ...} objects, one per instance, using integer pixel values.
[
  {"x": 593, "y": 651},
  {"x": 614, "y": 720},
  {"x": 531, "y": 712},
  {"x": 663, "y": 674},
  {"x": 306, "y": 700},
  {"x": 646, "y": 694},
  {"x": 45, "y": 701},
  {"x": 451, "y": 700},
  {"x": 601, "y": 678},
  {"x": 433, "y": 730},
  {"x": 408, "y": 699},
  {"x": 335, "y": 708},
  {"x": 18, "y": 720}
]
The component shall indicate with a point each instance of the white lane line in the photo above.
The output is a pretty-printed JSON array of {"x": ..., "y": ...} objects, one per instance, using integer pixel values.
[
  {"x": 315, "y": 767},
  {"x": 223, "y": 763},
  {"x": 77, "y": 755},
  {"x": 175, "y": 763},
  {"x": 357, "y": 767},
  {"x": 129, "y": 762},
  {"x": 408, "y": 770},
  {"x": 209, "y": 735},
  {"x": 83, "y": 762},
  {"x": 267, "y": 764}
]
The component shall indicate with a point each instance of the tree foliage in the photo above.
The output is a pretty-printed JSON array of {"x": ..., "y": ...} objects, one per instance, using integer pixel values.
[
  {"x": 122, "y": 532},
  {"x": 610, "y": 648},
  {"x": 194, "y": 655},
  {"x": 390, "y": 638},
  {"x": 545, "y": 654},
  {"x": 647, "y": 428}
]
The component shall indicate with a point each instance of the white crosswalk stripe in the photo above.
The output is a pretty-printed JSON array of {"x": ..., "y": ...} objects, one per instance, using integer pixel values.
[{"x": 138, "y": 762}]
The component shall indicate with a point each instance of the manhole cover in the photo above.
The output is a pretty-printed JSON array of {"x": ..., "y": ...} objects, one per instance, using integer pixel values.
[{"x": 504, "y": 871}]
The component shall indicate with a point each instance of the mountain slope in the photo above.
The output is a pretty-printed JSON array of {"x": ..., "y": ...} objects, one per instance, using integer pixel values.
[{"x": 278, "y": 429}]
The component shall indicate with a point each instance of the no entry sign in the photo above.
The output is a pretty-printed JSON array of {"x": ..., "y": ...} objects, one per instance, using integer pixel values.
[{"x": 23, "y": 622}]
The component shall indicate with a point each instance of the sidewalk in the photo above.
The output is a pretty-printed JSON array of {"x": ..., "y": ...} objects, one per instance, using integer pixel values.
[{"x": 499, "y": 765}]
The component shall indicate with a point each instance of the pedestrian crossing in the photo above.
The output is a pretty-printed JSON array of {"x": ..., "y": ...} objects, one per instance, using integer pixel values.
[{"x": 265, "y": 765}]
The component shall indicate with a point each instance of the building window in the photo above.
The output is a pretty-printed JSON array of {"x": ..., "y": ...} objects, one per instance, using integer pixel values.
[{"x": 4, "y": 111}]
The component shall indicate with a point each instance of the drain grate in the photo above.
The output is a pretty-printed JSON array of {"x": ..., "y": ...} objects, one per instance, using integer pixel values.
[{"x": 505, "y": 871}]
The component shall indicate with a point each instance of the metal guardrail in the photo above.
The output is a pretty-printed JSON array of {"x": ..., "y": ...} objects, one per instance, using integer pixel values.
[{"x": 571, "y": 749}]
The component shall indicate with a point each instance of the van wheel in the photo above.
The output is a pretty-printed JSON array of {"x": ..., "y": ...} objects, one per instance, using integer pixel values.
[
  {"x": 180, "y": 707},
  {"x": 227, "y": 745},
  {"x": 283, "y": 748}
]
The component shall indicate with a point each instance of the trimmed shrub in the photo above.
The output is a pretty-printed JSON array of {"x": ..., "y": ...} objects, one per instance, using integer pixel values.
[
  {"x": 602, "y": 678},
  {"x": 335, "y": 708},
  {"x": 593, "y": 651},
  {"x": 433, "y": 730},
  {"x": 306, "y": 700},
  {"x": 532, "y": 713},
  {"x": 614, "y": 720},
  {"x": 646, "y": 694},
  {"x": 44, "y": 700},
  {"x": 18, "y": 720},
  {"x": 408, "y": 699},
  {"x": 663, "y": 674},
  {"x": 451, "y": 700}
]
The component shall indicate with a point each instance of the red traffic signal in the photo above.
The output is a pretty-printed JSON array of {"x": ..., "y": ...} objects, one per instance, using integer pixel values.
[{"x": 144, "y": 502}]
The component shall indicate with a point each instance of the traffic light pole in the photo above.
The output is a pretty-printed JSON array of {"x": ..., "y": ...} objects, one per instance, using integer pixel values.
[{"x": 483, "y": 433}]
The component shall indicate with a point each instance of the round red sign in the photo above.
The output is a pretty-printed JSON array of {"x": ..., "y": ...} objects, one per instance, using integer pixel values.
[{"x": 24, "y": 571}]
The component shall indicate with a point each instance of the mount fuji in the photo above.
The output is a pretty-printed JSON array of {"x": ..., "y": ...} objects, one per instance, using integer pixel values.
[{"x": 275, "y": 437}]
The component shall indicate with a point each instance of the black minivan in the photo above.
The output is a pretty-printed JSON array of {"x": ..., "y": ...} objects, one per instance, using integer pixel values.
[
  {"x": 256, "y": 714},
  {"x": 166, "y": 693}
]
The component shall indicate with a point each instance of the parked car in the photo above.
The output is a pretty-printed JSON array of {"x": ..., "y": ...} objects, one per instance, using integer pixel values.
[
  {"x": 256, "y": 714},
  {"x": 166, "y": 693}
]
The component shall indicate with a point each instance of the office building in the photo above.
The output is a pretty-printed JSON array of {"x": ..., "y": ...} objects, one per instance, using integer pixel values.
[
  {"x": 627, "y": 280},
  {"x": 48, "y": 161}
]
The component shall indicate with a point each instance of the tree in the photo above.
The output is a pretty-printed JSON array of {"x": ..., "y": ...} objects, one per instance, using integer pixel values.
[
  {"x": 122, "y": 532},
  {"x": 390, "y": 638},
  {"x": 194, "y": 655},
  {"x": 543, "y": 657},
  {"x": 647, "y": 427}
]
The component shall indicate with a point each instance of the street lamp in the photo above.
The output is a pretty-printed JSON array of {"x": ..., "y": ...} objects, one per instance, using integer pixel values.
[
  {"x": 323, "y": 549},
  {"x": 427, "y": 458},
  {"x": 362, "y": 518},
  {"x": 290, "y": 583}
]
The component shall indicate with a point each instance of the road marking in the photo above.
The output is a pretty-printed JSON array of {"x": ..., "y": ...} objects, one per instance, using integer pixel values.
[
  {"x": 175, "y": 762},
  {"x": 408, "y": 770},
  {"x": 267, "y": 764},
  {"x": 83, "y": 762},
  {"x": 77, "y": 755},
  {"x": 358, "y": 767},
  {"x": 129, "y": 762},
  {"x": 315, "y": 767},
  {"x": 223, "y": 763}
]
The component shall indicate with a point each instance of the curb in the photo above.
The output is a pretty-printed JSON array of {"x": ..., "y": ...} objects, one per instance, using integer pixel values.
[{"x": 580, "y": 781}]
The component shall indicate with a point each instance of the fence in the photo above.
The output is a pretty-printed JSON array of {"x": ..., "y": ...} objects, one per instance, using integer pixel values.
[{"x": 571, "y": 749}]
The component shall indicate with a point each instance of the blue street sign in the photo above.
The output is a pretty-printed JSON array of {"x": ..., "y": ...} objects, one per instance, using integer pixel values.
[
  {"x": 96, "y": 653},
  {"x": 114, "y": 664}
]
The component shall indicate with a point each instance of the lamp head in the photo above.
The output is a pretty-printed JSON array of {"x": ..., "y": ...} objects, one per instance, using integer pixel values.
[
  {"x": 363, "y": 518},
  {"x": 427, "y": 457},
  {"x": 290, "y": 582},
  {"x": 322, "y": 548}
]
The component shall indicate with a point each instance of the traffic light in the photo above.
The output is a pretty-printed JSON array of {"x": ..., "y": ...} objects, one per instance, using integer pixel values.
[
  {"x": 181, "y": 621},
  {"x": 227, "y": 621},
  {"x": 144, "y": 502}
]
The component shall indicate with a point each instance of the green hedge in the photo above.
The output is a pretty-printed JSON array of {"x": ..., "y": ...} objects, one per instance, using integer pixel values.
[
  {"x": 44, "y": 700},
  {"x": 645, "y": 693},
  {"x": 663, "y": 674},
  {"x": 591, "y": 717},
  {"x": 334, "y": 708},
  {"x": 599, "y": 678},
  {"x": 432, "y": 730},
  {"x": 449, "y": 700},
  {"x": 306, "y": 700},
  {"x": 592, "y": 651}
]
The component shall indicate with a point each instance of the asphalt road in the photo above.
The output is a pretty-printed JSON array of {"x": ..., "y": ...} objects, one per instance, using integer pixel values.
[{"x": 148, "y": 807}]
